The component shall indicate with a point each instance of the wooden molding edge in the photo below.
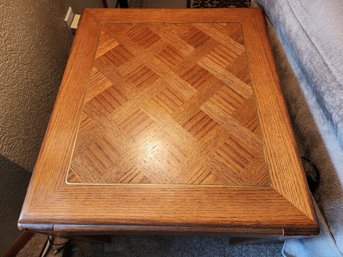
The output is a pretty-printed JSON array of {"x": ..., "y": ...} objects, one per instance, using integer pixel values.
[
  {"x": 301, "y": 189},
  {"x": 90, "y": 229},
  {"x": 26, "y": 222}
]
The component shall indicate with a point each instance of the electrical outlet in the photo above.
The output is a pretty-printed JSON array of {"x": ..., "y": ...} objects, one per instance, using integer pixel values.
[
  {"x": 75, "y": 21},
  {"x": 69, "y": 17}
]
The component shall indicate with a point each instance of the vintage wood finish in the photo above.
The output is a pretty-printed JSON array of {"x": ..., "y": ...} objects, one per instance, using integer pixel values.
[
  {"x": 170, "y": 120},
  {"x": 166, "y": 119}
]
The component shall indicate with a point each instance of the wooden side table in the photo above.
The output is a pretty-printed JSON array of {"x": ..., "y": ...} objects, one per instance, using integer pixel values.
[{"x": 170, "y": 121}]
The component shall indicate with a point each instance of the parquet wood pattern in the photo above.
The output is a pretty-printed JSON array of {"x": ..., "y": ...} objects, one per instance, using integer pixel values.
[
  {"x": 169, "y": 121},
  {"x": 181, "y": 97}
]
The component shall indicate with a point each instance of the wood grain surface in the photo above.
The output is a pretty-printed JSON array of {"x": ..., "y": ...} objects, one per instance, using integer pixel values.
[{"x": 170, "y": 120}]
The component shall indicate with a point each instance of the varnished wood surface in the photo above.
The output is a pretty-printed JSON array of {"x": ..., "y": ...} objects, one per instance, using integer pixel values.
[
  {"x": 160, "y": 108},
  {"x": 166, "y": 120}
]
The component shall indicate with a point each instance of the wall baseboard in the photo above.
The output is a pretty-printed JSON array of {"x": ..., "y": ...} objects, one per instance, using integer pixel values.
[
  {"x": 18, "y": 244},
  {"x": 13, "y": 184}
]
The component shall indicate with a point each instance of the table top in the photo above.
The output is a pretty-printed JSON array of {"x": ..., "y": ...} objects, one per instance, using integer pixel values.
[{"x": 170, "y": 120}]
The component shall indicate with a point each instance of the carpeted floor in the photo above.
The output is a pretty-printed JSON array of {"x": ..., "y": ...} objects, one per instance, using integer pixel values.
[{"x": 158, "y": 246}]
